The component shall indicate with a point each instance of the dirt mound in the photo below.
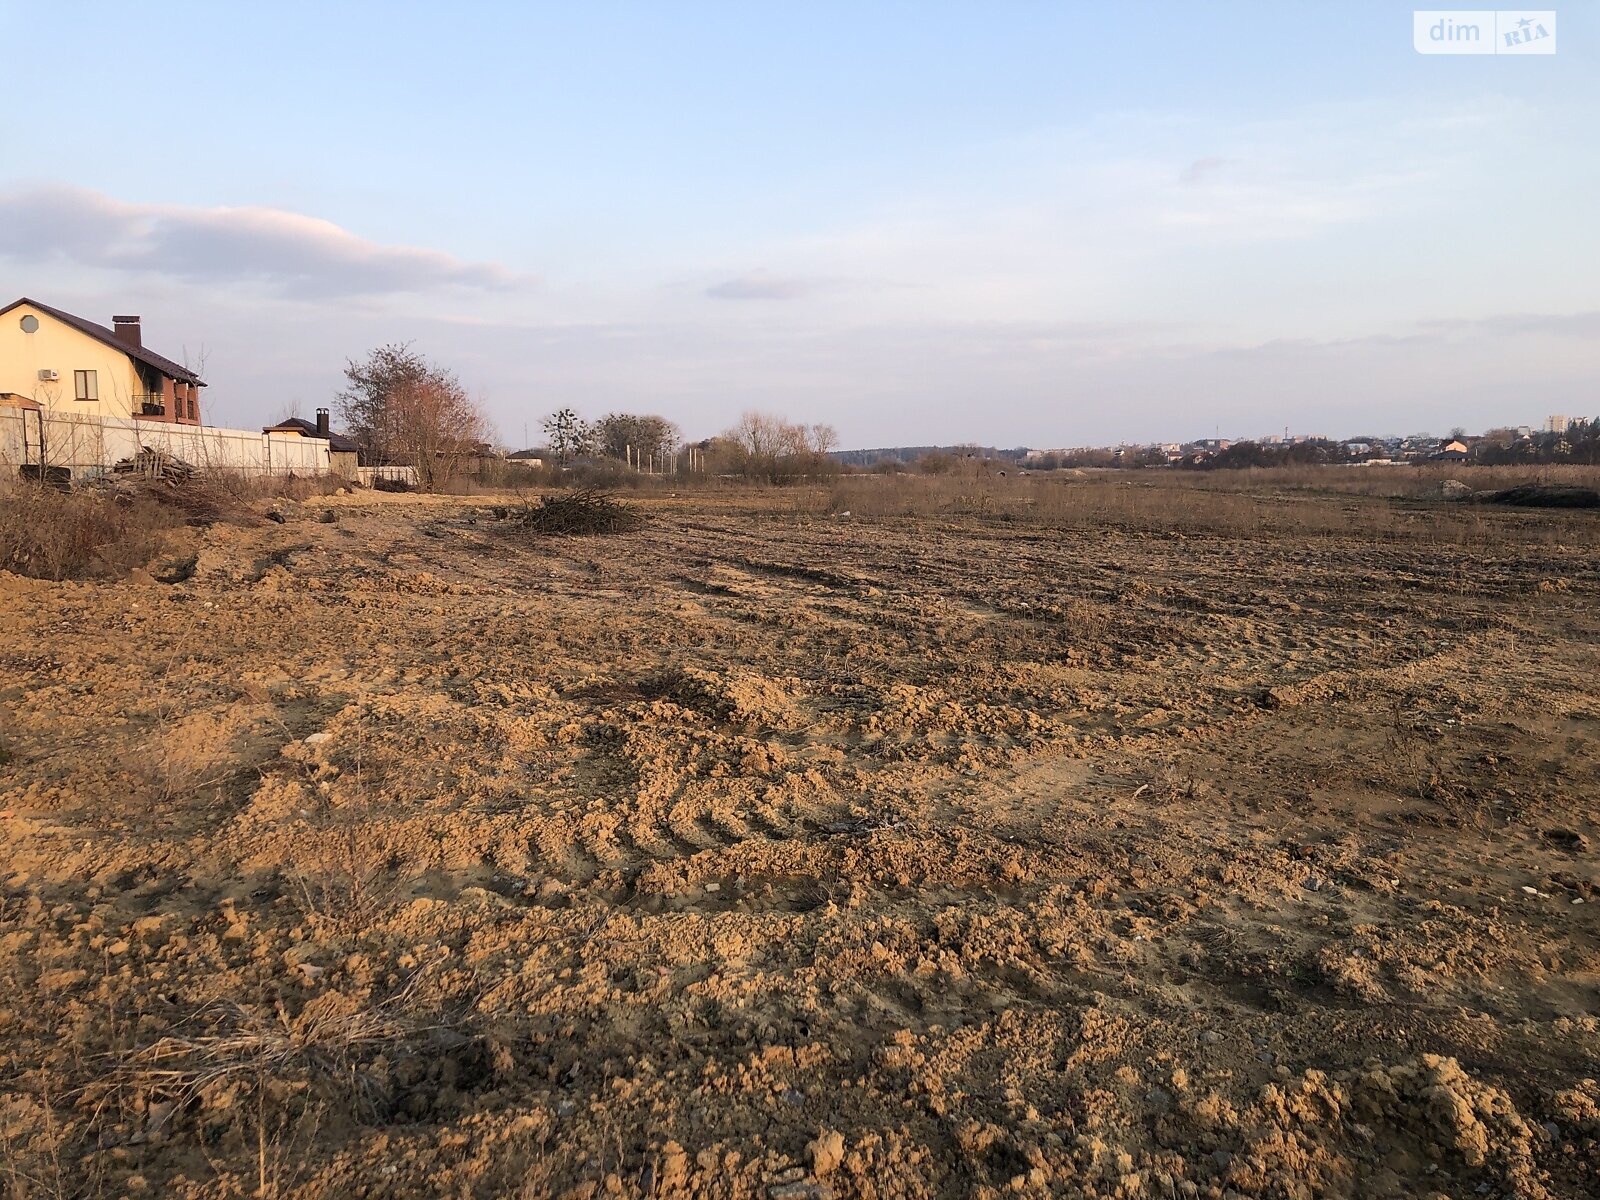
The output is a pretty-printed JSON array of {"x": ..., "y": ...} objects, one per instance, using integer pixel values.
[{"x": 1544, "y": 495}]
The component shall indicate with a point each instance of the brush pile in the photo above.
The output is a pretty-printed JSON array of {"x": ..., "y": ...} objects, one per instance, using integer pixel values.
[
  {"x": 155, "y": 465},
  {"x": 583, "y": 512}
]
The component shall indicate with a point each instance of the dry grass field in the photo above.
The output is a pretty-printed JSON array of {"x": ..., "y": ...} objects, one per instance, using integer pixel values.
[{"x": 1205, "y": 837}]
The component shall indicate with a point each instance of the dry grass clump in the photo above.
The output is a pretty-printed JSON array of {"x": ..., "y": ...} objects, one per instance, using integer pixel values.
[
  {"x": 325, "y": 1038},
  {"x": 584, "y": 512},
  {"x": 224, "y": 494},
  {"x": 50, "y": 534},
  {"x": 344, "y": 874}
]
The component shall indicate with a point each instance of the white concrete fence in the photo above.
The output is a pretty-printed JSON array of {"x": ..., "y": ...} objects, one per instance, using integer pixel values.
[{"x": 91, "y": 446}]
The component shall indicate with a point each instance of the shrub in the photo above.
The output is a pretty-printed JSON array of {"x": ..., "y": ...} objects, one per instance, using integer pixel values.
[{"x": 50, "y": 534}]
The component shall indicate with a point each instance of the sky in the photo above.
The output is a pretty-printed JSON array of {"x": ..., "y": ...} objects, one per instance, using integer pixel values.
[{"x": 1012, "y": 223}]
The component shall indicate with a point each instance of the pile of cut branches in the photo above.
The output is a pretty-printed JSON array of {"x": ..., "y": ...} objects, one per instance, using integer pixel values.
[
  {"x": 155, "y": 464},
  {"x": 577, "y": 513}
]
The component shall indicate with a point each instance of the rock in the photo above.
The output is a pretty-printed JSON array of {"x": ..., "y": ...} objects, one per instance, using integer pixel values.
[
  {"x": 274, "y": 515},
  {"x": 826, "y": 1151},
  {"x": 1529, "y": 891},
  {"x": 1313, "y": 884},
  {"x": 316, "y": 739}
]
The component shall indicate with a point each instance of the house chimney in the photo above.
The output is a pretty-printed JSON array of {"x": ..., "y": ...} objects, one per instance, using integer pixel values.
[
  {"x": 322, "y": 422},
  {"x": 127, "y": 329}
]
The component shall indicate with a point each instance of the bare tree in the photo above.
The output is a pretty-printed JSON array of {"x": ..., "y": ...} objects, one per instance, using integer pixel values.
[
  {"x": 400, "y": 408},
  {"x": 763, "y": 446},
  {"x": 823, "y": 439},
  {"x": 569, "y": 435},
  {"x": 371, "y": 383},
  {"x": 434, "y": 425}
]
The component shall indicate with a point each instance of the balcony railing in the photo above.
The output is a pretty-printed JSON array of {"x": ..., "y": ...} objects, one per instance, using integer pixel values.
[{"x": 152, "y": 405}]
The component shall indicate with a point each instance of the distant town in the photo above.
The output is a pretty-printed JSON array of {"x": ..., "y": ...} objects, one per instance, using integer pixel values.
[{"x": 1559, "y": 439}]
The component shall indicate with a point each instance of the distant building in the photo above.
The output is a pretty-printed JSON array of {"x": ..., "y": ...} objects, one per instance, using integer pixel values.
[
  {"x": 1557, "y": 424},
  {"x": 343, "y": 458}
]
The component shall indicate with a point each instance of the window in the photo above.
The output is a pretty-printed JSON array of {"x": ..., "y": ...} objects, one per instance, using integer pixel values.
[{"x": 86, "y": 385}]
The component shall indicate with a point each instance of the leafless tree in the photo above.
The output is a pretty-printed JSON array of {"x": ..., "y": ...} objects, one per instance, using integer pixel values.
[
  {"x": 435, "y": 426},
  {"x": 400, "y": 408},
  {"x": 568, "y": 435},
  {"x": 763, "y": 446}
]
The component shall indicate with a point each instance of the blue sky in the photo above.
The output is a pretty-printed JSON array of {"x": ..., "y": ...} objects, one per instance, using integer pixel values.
[{"x": 1014, "y": 223}]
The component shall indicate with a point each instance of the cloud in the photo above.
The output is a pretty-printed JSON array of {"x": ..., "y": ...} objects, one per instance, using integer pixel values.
[
  {"x": 1200, "y": 168},
  {"x": 294, "y": 254},
  {"x": 1578, "y": 325},
  {"x": 759, "y": 285}
]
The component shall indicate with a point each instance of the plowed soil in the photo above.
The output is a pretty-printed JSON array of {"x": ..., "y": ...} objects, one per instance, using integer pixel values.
[{"x": 773, "y": 853}]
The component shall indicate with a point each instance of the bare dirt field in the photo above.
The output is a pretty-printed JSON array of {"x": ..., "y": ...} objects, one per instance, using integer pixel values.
[{"x": 1114, "y": 841}]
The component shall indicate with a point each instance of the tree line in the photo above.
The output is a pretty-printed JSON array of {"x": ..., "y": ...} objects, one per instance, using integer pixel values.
[
  {"x": 400, "y": 408},
  {"x": 757, "y": 447}
]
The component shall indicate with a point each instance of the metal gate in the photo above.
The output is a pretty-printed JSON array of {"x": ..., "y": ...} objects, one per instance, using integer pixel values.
[{"x": 33, "y": 447}]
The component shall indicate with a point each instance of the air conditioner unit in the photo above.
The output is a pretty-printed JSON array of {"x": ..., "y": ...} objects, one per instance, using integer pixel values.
[{"x": 49, "y": 376}]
